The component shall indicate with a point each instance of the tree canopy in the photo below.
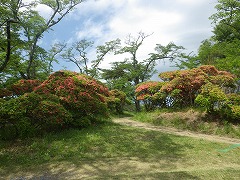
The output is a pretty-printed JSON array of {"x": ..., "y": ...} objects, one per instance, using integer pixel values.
[
  {"x": 222, "y": 49},
  {"x": 22, "y": 27}
]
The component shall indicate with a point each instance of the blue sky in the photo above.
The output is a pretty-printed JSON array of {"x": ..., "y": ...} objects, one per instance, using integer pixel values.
[{"x": 184, "y": 22}]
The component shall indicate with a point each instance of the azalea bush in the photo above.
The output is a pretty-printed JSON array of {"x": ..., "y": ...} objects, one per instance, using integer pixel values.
[
  {"x": 149, "y": 93},
  {"x": 24, "y": 86},
  {"x": 65, "y": 99},
  {"x": 181, "y": 88},
  {"x": 83, "y": 96},
  {"x": 189, "y": 82},
  {"x": 4, "y": 92}
]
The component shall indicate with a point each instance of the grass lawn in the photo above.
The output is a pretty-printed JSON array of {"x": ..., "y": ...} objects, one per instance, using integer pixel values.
[{"x": 112, "y": 151}]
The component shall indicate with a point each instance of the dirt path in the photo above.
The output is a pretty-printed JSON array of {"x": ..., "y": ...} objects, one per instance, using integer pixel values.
[{"x": 214, "y": 138}]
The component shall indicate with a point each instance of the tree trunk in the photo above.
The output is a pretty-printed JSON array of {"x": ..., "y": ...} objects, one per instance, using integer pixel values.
[
  {"x": 137, "y": 105},
  {"x": 137, "y": 102},
  {"x": 8, "y": 51}
]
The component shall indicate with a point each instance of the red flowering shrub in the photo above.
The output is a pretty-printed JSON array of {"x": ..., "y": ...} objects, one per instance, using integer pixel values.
[
  {"x": 168, "y": 76},
  {"x": 64, "y": 99},
  {"x": 181, "y": 87},
  {"x": 47, "y": 110},
  {"x": 189, "y": 82},
  {"x": 149, "y": 93},
  {"x": 83, "y": 96},
  {"x": 209, "y": 70},
  {"x": 147, "y": 89},
  {"x": 24, "y": 86}
]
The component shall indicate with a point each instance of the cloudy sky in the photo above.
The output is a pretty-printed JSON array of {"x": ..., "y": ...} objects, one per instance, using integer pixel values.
[{"x": 184, "y": 22}]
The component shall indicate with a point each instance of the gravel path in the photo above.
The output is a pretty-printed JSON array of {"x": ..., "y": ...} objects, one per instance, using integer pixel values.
[{"x": 214, "y": 138}]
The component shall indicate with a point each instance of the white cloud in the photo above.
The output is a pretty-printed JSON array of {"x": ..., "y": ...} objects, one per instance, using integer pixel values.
[
  {"x": 190, "y": 2},
  {"x": 44, "y": 11},
  {"x": 90, "y": 30},
  {"x": 91, "y": 8},
  {"x": 184, "y": 22}
]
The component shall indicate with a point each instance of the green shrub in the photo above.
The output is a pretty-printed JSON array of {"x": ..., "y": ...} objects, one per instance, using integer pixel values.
[
  {"x": 234, "y": 98},
  {"x": 216, "y": 101},
  {"x": 32, "y": 113},
  {"x": 211, "y": 97},
  {"x": 235, "y": 112},
  {"x": 116, "y": 101},
  {"x": 231, "y": 112}
]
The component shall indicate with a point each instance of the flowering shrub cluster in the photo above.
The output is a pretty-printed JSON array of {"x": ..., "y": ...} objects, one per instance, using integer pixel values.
[
  {"x": 182, "y": 87},
  {"x": 83, "y": 96},
  {"x": 189, "y": 82},
  {"x": 150, "y": 94},
  {"x": 24, "y": 86},
  {"x": 64, "y": 99}
]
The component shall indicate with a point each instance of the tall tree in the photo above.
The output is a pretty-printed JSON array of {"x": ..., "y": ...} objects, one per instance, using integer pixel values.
[
  {"x": 77, "y": 53},
  {"x": 50, "y": 57},
  {"x": 133, "y": 70},
  {"x": 226, "y": 20},
  {"x": 24, "y": 21}
]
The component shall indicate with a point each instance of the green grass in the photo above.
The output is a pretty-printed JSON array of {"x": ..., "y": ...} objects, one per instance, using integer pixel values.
[
  {"x": 190, "y": 119},
  {"x": 112, "y": 151}
]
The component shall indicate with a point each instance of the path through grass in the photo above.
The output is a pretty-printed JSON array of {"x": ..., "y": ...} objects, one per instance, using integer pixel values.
[{"x": 114, "y": 151}]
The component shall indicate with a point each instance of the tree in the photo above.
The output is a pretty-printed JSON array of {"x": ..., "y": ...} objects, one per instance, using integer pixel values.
[
  {"x": 8, "y": 18},
  {"x": 226, "y": 20},
  {"x": 134, "y": 71},
  {"x": 222, "y": 49},
  {"x": 77, "y": 53},
  {"x": 28, "y": 27},
  {"x": 50, "y": 56}
]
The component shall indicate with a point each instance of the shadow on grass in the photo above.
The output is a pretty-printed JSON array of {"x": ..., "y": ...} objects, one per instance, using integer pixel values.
[{"x": 103, "y": 151}]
